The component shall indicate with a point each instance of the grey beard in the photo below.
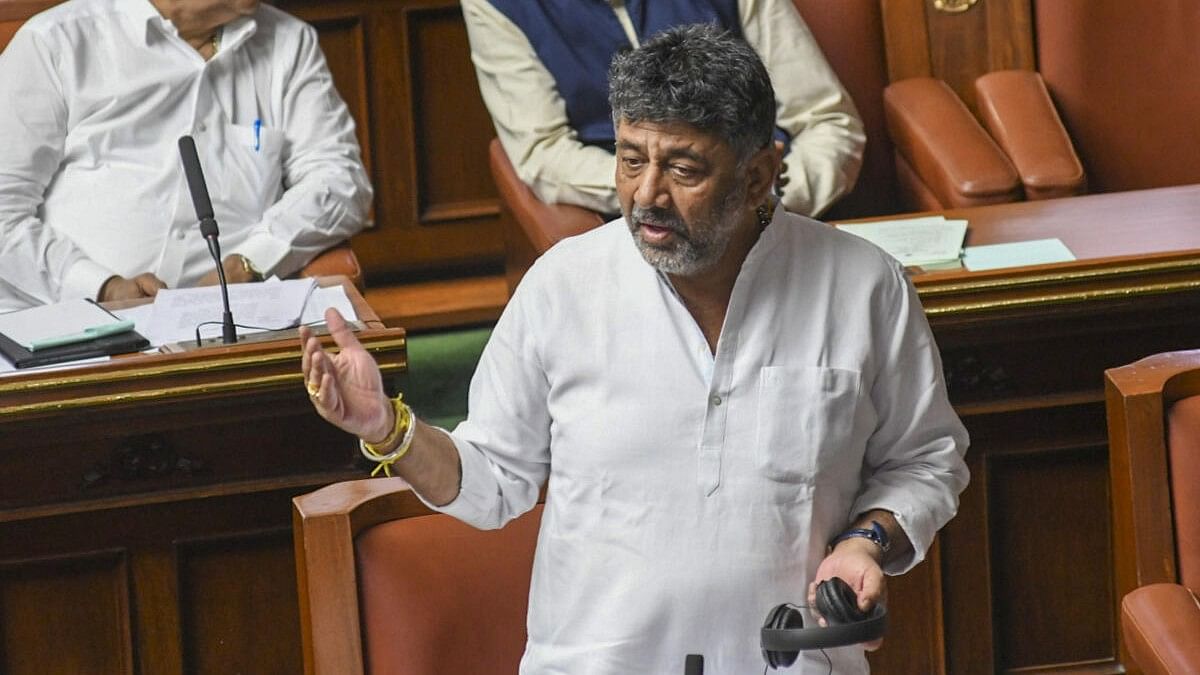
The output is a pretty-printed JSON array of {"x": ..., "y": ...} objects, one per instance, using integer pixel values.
[{"x": 695, "y": 251}]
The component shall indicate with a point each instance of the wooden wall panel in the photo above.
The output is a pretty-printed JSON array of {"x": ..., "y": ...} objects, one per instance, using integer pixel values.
[
  {"x": 915, "y": 640},
  {"x": 344, "y": 44},
  {"x": 907, "y": 36},
  {"x": 451, "y": 139},
  {"x": 66, "y": 614},
  {"x": 240, "y": 628},
  {"x": 1050, "y": 546},
  {"x": 406, "y": 64}
]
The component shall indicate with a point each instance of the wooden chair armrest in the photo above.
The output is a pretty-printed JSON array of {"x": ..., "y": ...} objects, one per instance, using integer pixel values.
[{"x": 325, "y": 523}]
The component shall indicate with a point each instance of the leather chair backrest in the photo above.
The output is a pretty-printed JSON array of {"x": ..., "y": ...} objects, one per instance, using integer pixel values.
[
  {"x": 850, "y": 33},
  {"x": 7, "y": 30},
  {"x": 438, "y": 596},
  {"x": 1183, "y": 447},
  {"x": 1126, "y": 79}
]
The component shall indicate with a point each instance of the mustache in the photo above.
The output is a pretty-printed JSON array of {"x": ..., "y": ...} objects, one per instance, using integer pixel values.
[{"x": 659, "y": 217}]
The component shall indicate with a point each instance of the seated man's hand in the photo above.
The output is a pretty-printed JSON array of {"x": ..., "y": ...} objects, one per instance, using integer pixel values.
[
  {"x": 237, "y": 271},
  {"x": 857, "y": 562},
  {"x": 144, "y": 285}
]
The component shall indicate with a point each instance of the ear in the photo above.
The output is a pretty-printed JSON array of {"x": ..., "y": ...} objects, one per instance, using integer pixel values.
[{"x": 761, "y": 170}]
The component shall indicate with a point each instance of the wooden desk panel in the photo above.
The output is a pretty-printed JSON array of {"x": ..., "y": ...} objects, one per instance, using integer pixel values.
[
  {"x": 145, "y": 520},
  {"x": 1024, "y": 581}
]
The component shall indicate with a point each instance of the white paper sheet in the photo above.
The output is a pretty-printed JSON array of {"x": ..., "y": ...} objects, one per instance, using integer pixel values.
[
  {"x": 27, "y": 326},
  {"x": 931, "y": 240},
  {"x": 269, "y": 305}
]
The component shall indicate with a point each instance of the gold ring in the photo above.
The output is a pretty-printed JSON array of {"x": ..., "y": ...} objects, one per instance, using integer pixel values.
[{"x": 314, "y": 390}]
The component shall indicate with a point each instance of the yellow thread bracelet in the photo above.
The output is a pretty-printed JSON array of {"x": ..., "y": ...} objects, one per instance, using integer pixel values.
[{"x": 404, "y": 428}]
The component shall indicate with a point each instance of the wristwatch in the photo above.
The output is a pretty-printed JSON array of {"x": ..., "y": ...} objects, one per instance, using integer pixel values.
[
  {"x": 875, "y": 533},
  {"x": 249, "y": 268}
]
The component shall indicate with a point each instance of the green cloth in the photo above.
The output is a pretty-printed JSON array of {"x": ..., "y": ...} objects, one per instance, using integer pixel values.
[{"x": 440, "y": 366}]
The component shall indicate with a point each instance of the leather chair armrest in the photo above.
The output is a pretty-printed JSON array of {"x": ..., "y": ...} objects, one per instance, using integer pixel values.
[
  {"x": 336, "y": 260},
  {"x": 1161, "y": 626},
  {"x": 1016, "y": 108},
  {"x": 544, "y": 224},
  {"x": 944, "y": 145}
]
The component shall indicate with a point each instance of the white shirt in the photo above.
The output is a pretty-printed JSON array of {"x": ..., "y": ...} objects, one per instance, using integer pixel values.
[
  {"x": 689, "y": 493},
  {"x": 97, "y": 94},
  {"x": 531, "y": 118}
]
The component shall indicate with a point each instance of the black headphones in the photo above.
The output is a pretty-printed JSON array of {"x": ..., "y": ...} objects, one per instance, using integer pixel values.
[{"x": 783, "y": 634}]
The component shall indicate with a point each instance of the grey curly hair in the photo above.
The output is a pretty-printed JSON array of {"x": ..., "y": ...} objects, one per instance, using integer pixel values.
[{"x": 701, "y": 75}]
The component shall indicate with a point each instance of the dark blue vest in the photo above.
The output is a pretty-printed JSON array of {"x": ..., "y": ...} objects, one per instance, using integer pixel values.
[{"x": 576, "y": 39}]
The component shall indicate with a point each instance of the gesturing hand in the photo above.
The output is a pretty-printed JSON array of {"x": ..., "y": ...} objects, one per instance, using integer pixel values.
[{"x": 346, "y": 388}]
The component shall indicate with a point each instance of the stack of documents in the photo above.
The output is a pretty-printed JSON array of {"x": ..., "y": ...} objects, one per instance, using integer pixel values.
[
  {"x": 65, "y": 331},
  {"x": 177, "y": 314},
  {"x": 930, "y": 242}
]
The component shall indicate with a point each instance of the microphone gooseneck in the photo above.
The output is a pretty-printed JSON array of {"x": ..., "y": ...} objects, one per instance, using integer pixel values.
[{"x": 208, "y": 227}]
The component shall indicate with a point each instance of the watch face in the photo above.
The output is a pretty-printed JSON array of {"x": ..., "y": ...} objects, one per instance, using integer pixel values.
[{"x": 881, "y": 535}]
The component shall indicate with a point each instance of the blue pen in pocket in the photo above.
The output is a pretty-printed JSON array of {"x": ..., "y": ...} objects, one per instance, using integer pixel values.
[{"x": 257, "y": 135}]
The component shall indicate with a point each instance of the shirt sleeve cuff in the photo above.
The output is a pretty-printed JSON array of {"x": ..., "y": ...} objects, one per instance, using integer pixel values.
[
  {"x": 83, "y": 280},
  {"x": 264, "y": 252},
  {"x": 918, "y": 527},
  {"x": 475, "y": 503}
]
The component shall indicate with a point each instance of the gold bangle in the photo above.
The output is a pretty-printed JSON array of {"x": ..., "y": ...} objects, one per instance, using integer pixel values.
[{"x": 403, "y": 428}]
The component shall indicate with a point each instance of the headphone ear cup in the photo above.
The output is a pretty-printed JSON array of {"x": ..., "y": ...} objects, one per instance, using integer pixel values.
[
  {"x": 837, "y": 602},
  {"x": 782, "y": 617}
]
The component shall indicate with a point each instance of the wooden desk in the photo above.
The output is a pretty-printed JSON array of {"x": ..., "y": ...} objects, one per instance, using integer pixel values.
[
  {"x": 145, "y": 508},
  {"x": 1023, "y": 576}
]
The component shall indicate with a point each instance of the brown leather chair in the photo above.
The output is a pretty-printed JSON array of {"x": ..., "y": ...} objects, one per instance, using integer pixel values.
[
  {"x": 389, "y": 587},
  {"x": 1154, "y": 446},
  {"x": 336, "y": 260}
]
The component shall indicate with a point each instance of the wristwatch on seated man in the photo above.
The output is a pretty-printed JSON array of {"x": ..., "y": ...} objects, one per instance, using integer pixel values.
[{"x": 249, "y": 268}]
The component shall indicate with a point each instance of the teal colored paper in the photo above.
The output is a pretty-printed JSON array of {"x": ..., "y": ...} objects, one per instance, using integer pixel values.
[{"x": 1016, "y": 254}]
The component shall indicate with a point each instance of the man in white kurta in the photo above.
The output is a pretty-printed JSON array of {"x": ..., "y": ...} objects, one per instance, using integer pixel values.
[
  {"x": 720, "y": 404},
  {"x": 690, "y": 492},
  {"x": 96, "y": 95}
]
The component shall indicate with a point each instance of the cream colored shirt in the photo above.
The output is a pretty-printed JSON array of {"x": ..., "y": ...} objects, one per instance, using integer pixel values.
[
  {"x": 531, "y": 119},
  {"x": 689, "y": 492}
]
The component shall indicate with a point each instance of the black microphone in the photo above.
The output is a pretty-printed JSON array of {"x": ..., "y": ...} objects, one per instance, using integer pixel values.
[
  {"x": 208, "y": 226},
  {"x": 693, "y": 665}
]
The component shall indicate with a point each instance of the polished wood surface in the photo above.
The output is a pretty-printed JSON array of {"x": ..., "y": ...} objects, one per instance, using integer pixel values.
[
  {"x": 1138, "y": 397},
  {"x": 1025, "y": 575},
  {"x": 144, "y": 504}
]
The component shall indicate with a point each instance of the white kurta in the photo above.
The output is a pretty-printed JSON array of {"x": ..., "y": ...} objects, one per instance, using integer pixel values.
[
  {"x": 96, "y": 95},
  {"x": 688, "y": 494}
]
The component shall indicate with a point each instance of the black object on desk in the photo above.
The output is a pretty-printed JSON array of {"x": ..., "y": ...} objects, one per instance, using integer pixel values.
[{"x": 107, "y": 345}]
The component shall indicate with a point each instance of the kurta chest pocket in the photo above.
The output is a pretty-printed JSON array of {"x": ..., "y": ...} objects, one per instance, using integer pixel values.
[
  {"x": 805, "y": 415},
  {"x": 253, "y": 172}
]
